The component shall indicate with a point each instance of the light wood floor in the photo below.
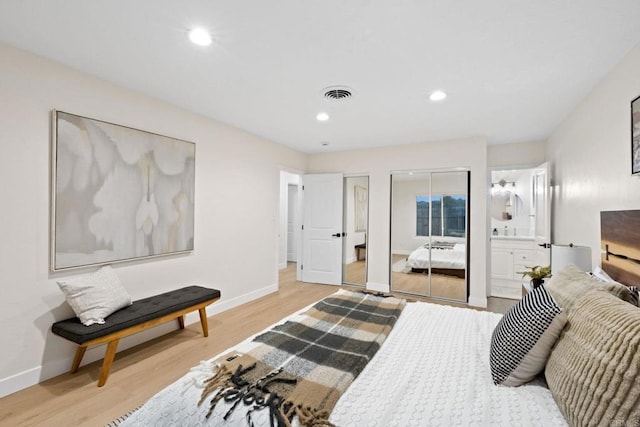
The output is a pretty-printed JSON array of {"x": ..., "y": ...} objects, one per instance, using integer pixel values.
[
  {"x": 140, "y": 372},
  {"x": 355, "y": 273},
  {"x": 442, "y": 286}
]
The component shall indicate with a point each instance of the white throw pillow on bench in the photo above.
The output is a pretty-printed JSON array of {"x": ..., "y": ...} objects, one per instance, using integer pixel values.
[{"x": 95, "y": 296}]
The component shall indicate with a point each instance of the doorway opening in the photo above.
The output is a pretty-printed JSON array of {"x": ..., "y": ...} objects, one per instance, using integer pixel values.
[
  {"x": 289, "y": 220},
  {"x": 520, "y": 231},
  {"x": 330, "y": 240}
]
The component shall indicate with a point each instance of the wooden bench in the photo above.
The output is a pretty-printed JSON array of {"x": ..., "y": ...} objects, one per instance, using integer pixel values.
[{"x": 142, "y": 314}]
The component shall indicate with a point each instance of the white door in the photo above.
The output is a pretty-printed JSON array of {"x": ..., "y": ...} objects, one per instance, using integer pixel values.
[
  {"x": 322, "y": 229},
  {"x": 291, "y": 223},
  {"x": 542, "y": 212}
]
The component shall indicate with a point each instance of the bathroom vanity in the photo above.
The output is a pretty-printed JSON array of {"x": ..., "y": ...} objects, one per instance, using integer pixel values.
[{"x": 509, "y": 255}]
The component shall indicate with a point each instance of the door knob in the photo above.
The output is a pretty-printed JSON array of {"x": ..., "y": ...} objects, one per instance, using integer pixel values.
[{"x": 336, "y": 235}]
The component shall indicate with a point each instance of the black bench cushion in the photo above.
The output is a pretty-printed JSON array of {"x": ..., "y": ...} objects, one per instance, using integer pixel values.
[{"x": 139, "y": 312}]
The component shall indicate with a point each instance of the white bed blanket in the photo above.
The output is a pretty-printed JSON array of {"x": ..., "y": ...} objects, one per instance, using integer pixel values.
[
  {"x": 437, "y": 258},
  {"x": 432, "y": 370}
]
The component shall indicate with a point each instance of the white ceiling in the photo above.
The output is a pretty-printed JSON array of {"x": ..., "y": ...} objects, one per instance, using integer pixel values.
[{"x": 513, "y": 69}]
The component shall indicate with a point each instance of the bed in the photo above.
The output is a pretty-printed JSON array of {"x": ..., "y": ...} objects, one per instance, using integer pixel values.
[
  {"x": 567, "y": 354},
  {"x": 389, "y": 393},
  {"x": 442, "y": 257}
]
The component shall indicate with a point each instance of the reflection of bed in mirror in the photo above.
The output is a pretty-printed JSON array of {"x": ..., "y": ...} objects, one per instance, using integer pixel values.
[{"x": 446, "y": 258}]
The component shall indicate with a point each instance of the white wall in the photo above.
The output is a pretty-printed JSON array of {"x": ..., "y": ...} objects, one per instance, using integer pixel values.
[
  {"x": 591, "y": 158},
  {"x": 237, "y": 193},
  {"x": 378, "y": 163},
  {"x": 520, "y": 155}
]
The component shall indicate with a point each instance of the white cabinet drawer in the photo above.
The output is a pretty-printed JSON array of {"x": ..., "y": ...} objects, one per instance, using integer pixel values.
[{"x": 524, "y": 257}]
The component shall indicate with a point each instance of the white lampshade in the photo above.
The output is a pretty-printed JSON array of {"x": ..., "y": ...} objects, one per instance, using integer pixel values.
[{"x": 563, "y": 255}]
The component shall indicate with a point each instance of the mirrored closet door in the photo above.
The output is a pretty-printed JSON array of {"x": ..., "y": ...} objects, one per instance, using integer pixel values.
[
  {"x": 429, "y": 230},
  {"x": 356, "y": 219}
]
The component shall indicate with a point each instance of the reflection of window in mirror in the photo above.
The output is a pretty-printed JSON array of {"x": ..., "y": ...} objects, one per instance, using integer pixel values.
[{"x": 448, "y": 213}]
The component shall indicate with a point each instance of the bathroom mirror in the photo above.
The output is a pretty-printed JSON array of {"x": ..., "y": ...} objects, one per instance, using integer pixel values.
[
  {"x": 507, "y": 188},
  {"x": 510, "y": 204},
  {"x": 505, "y": 205}
]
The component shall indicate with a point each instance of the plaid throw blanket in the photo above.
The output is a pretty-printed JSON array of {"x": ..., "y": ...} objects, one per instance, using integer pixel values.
[{"x": 299, "y": 369}]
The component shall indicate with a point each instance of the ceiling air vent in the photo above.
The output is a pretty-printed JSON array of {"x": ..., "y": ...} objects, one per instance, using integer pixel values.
[{"x": 337, "y": 93}]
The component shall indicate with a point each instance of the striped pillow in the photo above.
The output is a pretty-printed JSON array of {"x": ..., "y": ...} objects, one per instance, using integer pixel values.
[
  {"x": 522, "y": 340},
  {"x": 635, "y": 295}
]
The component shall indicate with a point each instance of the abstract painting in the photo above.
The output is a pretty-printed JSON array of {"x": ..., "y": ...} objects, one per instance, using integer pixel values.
[
  {"x": 360, "y": 194},
  {"x": 118, "y": 193},
  {"x": 635, "y": 136}
]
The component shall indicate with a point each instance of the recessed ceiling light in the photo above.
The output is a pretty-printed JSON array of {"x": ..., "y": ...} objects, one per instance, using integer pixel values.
[
  {"x": 437, "y": 95},
  {"x": 200, "y": 36},
  {"x": 322, "y": 117}
]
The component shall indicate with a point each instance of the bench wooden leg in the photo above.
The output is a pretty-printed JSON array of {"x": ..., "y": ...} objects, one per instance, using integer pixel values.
[
  {"x": 203, "y": 321},
  {"x": 181, "y": 321},
  {"x": 78, "y": 358},
  {"x": 108, "y": 361}
]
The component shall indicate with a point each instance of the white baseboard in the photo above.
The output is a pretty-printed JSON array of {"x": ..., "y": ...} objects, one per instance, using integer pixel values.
[
  {"x": 400, "y": 252},
  {"x": 282, "y": 265},
  {"x": 51, "y": 369},
  {"x": 377, "y": 287},
  {"x": 19, "y": 381}
]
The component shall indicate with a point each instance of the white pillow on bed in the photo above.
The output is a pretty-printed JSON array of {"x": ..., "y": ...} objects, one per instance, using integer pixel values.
[
  {"x": 95, "y": 296},
  {"x": 602, "y": 275}
]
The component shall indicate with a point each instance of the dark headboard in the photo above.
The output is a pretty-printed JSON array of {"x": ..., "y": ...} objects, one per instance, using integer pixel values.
[{"x": 620, "y": 240}]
